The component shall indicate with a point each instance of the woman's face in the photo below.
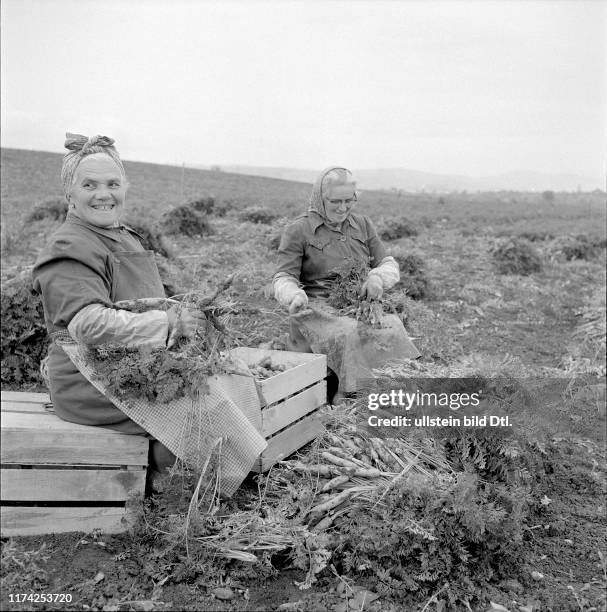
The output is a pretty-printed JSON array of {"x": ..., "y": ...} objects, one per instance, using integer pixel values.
[
  {"x": 99, "y": 191},
  {"x": 338, "y": 201}
]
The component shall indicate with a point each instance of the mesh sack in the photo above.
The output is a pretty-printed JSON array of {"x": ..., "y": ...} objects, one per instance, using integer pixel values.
[
  {"x": 353, "y": 348},
  {"x": 229, "y": 410}
]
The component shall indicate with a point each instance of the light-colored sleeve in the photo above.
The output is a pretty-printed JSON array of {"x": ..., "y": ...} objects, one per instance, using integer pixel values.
[
  {"x": 387, "y": 272},
  {"x": 96, "y": 324},
  {"x": 285, "y": 289}
]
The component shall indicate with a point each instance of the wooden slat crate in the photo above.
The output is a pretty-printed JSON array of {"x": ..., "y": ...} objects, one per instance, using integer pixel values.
[
  {"x": 58, "y": 476},
  {"x": 290, "y": 401}
]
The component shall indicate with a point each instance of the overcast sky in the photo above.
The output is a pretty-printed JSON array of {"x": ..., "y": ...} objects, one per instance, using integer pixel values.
[{"x": 464, "y": 87}]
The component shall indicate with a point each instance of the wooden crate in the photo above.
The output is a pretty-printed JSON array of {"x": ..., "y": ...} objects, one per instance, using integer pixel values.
[
  {"x": 290, "y": 401},
  {"x": 58, "y": 476}
]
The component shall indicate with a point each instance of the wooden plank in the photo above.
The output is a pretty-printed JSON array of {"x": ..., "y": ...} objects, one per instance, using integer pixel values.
[
  {"x": 33, "y": 407},
  {"x": 287, "y": 383},
  {"x": 278, "y": 416},
  {"x": 288, "y": 441},
  {"x": 291, "y": 359},
  {"x": 24, "y": 396},
  {"x": 59, "y": 447},
  {"x": 47, "y": 420},
  {"x": 29, "y": 438},
  {"x": 70, "y": 485},
  {"x": 68, "y": 466},
  {"x": 30, "y": 420},
  {"x": 25, "y": 521},
  {"x": 304, "y": 369},
  {"x": 23, "y": 421}
]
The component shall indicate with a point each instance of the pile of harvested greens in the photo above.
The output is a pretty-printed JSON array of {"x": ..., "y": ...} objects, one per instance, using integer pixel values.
[
  {"x": 165, "y": 374},
  {"x": 345, "y": 295}
]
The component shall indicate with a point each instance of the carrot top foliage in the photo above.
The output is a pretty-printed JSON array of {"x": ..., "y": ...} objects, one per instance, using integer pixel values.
[
  {"x": 24, "y": 337},
  {"x": 345, "y": 294},
  {"x": 164, "y": 374}
]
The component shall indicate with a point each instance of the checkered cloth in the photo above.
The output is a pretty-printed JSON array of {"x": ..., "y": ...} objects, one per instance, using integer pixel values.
[{"x": 230, "y": 410}]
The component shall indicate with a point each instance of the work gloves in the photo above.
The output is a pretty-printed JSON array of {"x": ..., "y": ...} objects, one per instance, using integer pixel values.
[
  {"x": 289, "y": 294},
  {"x": 373, "y": 288},
  {"x": 183, "y": 322}
]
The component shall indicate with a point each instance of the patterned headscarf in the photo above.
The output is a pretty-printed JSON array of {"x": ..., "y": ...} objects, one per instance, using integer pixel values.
[
  {"x": 316, "y": 203},
  {"x": 79, "y": 147}
]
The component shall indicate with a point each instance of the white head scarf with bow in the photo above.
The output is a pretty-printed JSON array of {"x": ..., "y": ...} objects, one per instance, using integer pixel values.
[{"x": 79, "y": 147}]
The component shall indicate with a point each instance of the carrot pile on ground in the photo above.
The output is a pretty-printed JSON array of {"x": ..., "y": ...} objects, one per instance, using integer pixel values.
[
  {"x": 350, "y": 468},
  {"x": 306, "y": 496}
]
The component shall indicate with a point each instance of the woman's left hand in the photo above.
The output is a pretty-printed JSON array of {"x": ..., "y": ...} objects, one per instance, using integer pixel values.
[{"x": 372, "y": 288}]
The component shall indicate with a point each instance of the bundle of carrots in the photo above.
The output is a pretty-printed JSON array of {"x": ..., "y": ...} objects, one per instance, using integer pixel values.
[{"x": 351, "y": 467}]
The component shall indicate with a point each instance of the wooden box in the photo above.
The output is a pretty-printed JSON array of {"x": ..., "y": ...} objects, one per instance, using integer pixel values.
[
  {"x": 58, "y": 476},
  {"x": 290, "y": 401}
]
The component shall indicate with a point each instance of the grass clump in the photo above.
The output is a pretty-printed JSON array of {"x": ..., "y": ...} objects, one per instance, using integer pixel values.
[
  {"x": 24, "y": 338},
  {"x": 413, "y": 278},
  {"x": 535, "y": 236},
  {"x": 570, "y": 248},
  {"x": 258, "y": 214},
  {"x": 9, "y": 236},
  {"x": 393, "y": 229},
  {"x": 515, "y": 256},
  {"x": 204, "y": 205},
  {"x": 151, "y": 238},
  {"x": 185, "y": 220},
  {"x": 54, "y": 209}
]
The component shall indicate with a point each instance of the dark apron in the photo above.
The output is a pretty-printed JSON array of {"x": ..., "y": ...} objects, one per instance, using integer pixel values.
[{"x": 134, "y": 275}]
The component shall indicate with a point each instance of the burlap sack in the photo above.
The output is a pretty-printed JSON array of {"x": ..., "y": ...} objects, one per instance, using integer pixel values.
[{"x": 353, "y": 348}]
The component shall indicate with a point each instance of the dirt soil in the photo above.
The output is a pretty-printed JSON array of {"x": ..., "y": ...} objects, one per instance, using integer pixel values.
[{"x": 564, "y": 565}]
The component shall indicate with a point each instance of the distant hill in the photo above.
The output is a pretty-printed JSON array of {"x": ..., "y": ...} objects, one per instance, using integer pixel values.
[
  {"x": 30, "y": 178},
  {"x": 414, "y": 180}
]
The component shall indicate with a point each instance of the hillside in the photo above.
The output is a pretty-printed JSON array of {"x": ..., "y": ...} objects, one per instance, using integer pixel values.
[
  {"x": 417, "y": 181},
  {"x": 31, "y": 177}
]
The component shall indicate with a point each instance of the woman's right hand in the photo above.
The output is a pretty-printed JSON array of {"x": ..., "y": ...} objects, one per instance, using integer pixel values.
[
  {"x": 299, "y": 302},
  {"x": 183, "y": 322}
]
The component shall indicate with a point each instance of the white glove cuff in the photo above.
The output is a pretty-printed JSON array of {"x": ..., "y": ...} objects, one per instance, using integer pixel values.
[
  {"x": 387, "y": 272},
  {"x": 285, "y": 289}
]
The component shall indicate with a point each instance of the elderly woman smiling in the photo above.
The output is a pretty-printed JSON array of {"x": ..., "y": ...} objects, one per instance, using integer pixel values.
[
  {"x": 317, "y": 244},
  {"x": 89, "y": 263}
]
